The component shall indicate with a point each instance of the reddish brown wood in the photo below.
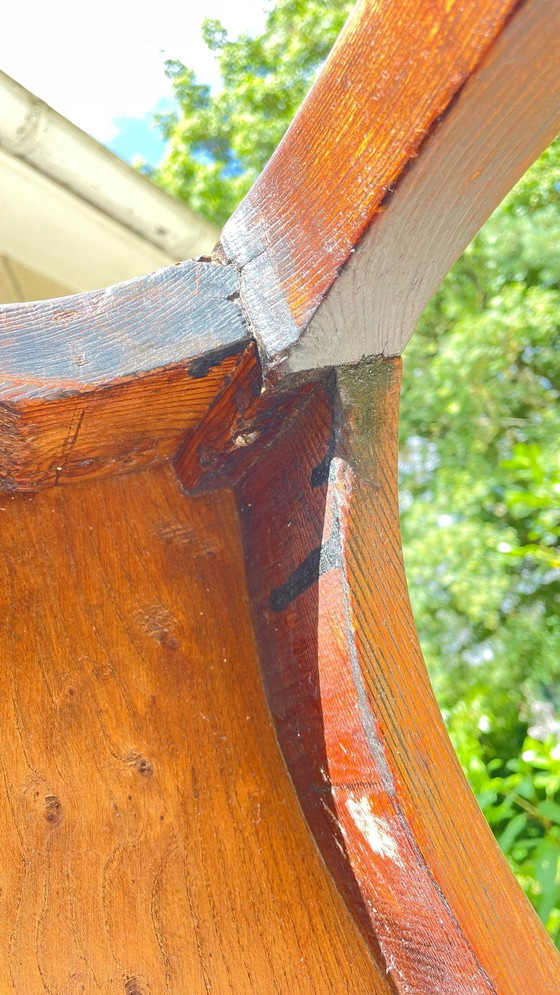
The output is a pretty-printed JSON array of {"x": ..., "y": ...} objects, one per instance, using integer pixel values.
[
  {"x": 133, "y": 423},
  {"x": 240, "y": 424},
  {"x": 394, "y": 69},
  {"x": 224, "y": 431},
  {"x": 151, "y": 839},
  {"x": 112, "y": 380},
  {"x": 355, "y": 715}
]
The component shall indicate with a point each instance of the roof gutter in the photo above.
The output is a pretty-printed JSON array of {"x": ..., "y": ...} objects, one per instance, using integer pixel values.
[{"x": 32, "y": 131}]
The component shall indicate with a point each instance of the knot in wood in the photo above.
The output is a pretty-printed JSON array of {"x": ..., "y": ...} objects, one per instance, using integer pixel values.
[
  {"x": 53, "y": 810},
  {"x": 132, "y": 987},
  {"x": 144, "y": 767},
  {"x": 245, "y": 439}
]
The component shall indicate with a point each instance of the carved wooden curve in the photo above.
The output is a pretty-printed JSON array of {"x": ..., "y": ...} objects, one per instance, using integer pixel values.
[{"x": 229, "y": 429}]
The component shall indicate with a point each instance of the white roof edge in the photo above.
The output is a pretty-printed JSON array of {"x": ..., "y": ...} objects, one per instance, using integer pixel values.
[{"x": 32, "y": 131}]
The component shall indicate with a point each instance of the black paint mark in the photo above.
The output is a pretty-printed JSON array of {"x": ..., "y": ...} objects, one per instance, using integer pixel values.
[
  {"x": 199, "y": 368},
  {"x": 299, "y": 581},
  {"x": 320, "y": 473},
  {"x": 319, "y": 560}
]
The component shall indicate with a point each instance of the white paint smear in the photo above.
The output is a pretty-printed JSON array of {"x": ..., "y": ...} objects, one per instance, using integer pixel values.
[{"x": 374, "y": 829}]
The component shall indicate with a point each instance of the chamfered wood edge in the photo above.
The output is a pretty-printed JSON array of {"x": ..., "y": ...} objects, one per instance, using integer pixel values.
[
  {"x": 148, "y": 328},
  {"x": 356, "y": 805},
  {"x": 504, "y": 116},
  {"x": 130, "y": 424},
  {"x": 363, "y": 738}
]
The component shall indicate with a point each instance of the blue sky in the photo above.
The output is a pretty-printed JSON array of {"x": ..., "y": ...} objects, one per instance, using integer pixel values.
[
  {"x": 138, "y": 138},
  {"x": 102, "y": 66}
]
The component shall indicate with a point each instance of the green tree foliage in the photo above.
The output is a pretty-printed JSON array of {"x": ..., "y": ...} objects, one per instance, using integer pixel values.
[
  {"x": 480, "y": 471},
  {"x": 220, "y": 142},
  {"x": 480, "y": 493}
]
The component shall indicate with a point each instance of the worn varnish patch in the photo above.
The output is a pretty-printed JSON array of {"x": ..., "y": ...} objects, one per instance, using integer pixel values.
[
  {"x": 75, "y": 343},
  {"x": 242, "y": 421},
  {"x": 151, "y": 839}
]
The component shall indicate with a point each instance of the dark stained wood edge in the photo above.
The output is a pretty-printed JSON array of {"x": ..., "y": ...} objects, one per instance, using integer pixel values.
[
  {"x": 394, "y": 69},
  {"x": 176, "y": 315},
  {"x": 363, "y": 738},
  {"x": 205, "y": 459},
  {"x": 505, "y": 115}
]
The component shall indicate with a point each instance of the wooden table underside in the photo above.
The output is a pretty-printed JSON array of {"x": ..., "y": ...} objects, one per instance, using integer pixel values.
[{"x": 223, "y": 766}]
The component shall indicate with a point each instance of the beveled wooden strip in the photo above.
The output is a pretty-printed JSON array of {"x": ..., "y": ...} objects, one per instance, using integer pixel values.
[
  {"x": 506, "y": 114},
  {"x": 363, "y": 737},
  {"x": 394, "y": 69},
  {"x": 151, "y": 839}
]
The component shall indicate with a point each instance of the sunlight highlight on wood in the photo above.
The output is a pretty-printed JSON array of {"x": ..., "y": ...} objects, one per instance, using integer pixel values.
[
  {"x": 503, "y": 118},
  {"x": 394, "y": 69}
]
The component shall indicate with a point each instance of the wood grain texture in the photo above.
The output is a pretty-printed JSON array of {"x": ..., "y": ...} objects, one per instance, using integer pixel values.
[
  {"x": 151, "y": 840},
  {"x": 112, "y": 380},
  {"x": 365, "y": 744},
  {"x": 132, "y": 423},
  {"x": 240, "y": 424},
  {"x": 205, "y": 459},
  {"x": 505, "y": 115},
  {"x": 77, "y": 343},
  {"x": 394, "y": 69}
]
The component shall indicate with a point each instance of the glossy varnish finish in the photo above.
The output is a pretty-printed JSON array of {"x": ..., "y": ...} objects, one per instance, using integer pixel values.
[
  {"x": 151, "y": 840},
  {"x": 134, "y": 422}
]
